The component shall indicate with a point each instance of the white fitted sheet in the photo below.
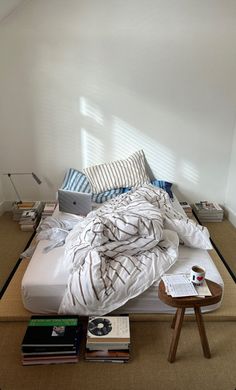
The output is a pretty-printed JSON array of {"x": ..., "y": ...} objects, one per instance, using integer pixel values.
[{"x": 45, "y": 280}]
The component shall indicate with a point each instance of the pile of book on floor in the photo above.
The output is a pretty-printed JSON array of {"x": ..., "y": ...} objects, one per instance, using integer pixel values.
[
  {"x": 187, "y": 208},
  {"x": 19, "y": 207},
  {"x": 208, "y": 212},
  {"x": 51, "y": 340},
  {"x": 27, "y": 214},
  {"x": 108, "y": 339},
  {"x": 29, "y": 220},
  {"x": 48, "y": 209}
]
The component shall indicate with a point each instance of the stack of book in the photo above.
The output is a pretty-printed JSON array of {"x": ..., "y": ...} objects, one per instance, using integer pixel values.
[
  {"x": 187, "y": 208},
  {"x": 51, "y": 340},
  {"x": 19, "y": 208},
  {"x": 48, "y": 209},
  {"x": 208, "y": 212},
  {"x": 30, "y": 218},
  {"x": 108, "y": 339}
]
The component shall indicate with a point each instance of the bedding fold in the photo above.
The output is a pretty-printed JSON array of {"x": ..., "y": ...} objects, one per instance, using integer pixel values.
[{"x": 121, "y": 249}]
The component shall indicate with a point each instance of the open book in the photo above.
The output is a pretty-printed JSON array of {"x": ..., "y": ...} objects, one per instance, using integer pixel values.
[{"x": 180, "y": 286}]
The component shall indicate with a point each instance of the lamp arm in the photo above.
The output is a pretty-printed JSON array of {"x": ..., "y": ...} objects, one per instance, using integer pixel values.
[
  {"x": 36, "y": 178},
  {"x": 21, "y": 173},
  {"x": 17, "y": 193}
]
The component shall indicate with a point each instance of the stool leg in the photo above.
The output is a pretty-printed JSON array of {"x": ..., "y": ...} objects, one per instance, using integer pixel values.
[
  {"x": 174, "y": 321},
  {"x": 175, "y": 337},
  {"x": 202, "y": 332}
]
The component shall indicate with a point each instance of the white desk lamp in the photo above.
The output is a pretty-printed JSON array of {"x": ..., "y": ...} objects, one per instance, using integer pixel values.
[{"x": 21, "y": 173}]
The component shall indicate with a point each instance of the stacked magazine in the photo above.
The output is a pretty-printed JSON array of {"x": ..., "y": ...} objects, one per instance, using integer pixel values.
[
  {"x": 51, "y": 340},
  {"x": 187, "y": 208},
  {"x": 27, "y": 214},
  {"x": 48, "y": 209},
  {"x": 108, "y": 339},
  {"x": 208, "y": 212}
]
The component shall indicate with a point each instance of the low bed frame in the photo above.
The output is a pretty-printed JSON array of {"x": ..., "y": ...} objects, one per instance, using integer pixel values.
[{"x": 45, "y": 279}]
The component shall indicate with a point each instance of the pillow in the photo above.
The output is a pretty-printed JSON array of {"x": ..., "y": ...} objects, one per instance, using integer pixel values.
[
  {"x": 165, "y": 185},
  {"x": 76, "y": 181},
  {"x": 129, "y": 172}
]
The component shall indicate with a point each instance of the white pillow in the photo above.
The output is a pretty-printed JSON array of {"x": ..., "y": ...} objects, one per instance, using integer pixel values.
[
  {"x": 130, "y": 172},
  {"x": 189, "y": 232}
]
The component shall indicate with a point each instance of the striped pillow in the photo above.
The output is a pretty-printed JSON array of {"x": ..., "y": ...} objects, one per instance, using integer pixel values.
[
  {"x": 165, "y": 185},
  {"x": 130, "y": 172},
  {"x": 76, "y": 181}
]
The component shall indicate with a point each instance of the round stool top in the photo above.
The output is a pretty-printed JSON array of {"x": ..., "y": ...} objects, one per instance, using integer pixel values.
[{"x": 184, "y": 302}]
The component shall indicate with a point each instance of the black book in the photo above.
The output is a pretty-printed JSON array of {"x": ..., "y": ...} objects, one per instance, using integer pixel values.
[
  {"x": 48, "y": 354},
  {"x": 51, "y": 331},
  {"x": 49, "y": 350}
]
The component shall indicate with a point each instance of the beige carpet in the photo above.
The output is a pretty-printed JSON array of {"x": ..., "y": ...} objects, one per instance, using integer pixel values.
[
  {"x": 12, "y": 244},
  {"x": 148, "y": 369},
  {"x": 150, "y": 342},
  {"x": 223, "y": 235},
  {"x": 11, "y": 307}
]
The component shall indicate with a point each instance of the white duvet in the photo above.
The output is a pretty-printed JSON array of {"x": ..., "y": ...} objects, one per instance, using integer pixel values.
[{"x": 121, "y": 249}]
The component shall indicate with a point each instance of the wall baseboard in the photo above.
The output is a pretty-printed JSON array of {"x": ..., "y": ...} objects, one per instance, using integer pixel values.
[
  {"x": 231, "y": 216},
  {"x": 5, "y": 206}
]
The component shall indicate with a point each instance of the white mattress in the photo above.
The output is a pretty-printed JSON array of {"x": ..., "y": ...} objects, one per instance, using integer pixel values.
[{"x": 45, "y": 279}]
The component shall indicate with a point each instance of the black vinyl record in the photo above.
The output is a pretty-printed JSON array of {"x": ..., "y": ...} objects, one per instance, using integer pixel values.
[{"x": 100, "y": 326}]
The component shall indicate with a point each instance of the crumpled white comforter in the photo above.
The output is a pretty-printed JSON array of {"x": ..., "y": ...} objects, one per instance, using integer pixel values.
[{"x": 121, "y": 249}]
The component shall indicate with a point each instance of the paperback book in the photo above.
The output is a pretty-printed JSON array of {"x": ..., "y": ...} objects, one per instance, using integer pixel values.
[
  {"x": 49, "y": 360},
  {"x": 120, "y": 356},
  {"x": 108, "y": 334},
  {"x": 208, "y": 211}
]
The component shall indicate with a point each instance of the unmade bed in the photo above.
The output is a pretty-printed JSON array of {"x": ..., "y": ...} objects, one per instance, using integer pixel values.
[{"x": 46, "y": 277}]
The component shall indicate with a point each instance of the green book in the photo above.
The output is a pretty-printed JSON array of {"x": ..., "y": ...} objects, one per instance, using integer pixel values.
[{"x": 52, "y": 331}]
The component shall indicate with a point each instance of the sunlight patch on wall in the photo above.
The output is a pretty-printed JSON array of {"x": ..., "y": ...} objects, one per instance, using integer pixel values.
[
  {"x": 100, "y": 144},
  {"x": 91, "y": 110},
  {"x": 189, "y": 172},
  {"x": 127, "y": 139},
  {"x": 92, "y": 148}
]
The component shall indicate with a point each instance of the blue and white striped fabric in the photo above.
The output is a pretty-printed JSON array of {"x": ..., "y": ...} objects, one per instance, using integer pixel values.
[
  {"x": 77, "y": 181},
  {"x": 165, "y": 185}
]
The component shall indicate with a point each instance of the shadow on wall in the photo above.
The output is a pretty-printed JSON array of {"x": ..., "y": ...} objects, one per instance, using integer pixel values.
[{"x": 101, "y": 144}]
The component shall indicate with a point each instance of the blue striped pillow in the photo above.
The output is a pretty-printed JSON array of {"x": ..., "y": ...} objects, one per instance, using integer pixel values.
[
  {"x": 76, "y": 181},
  {"x": 165, "y": 185}
]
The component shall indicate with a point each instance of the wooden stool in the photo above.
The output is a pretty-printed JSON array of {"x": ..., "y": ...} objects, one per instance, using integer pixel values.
[{"x": 189, "y": 302}]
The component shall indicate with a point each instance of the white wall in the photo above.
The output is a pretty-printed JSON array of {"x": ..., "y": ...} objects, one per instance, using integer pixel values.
[
  {"x": 231, "y": 187},
  {"x": 7, "y": 7},
  {"x": 87, "y": 81},
  {"x": 1, "y": 193}
]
